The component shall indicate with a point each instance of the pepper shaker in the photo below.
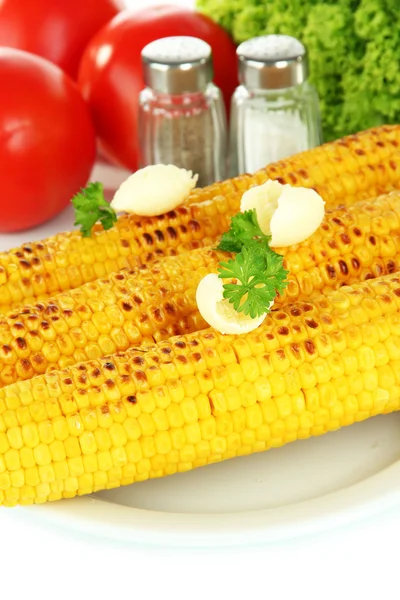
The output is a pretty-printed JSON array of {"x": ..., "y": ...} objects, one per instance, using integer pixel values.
[
  {"x": 275, "y": 110},
  {"x": 182, "y": 117}
]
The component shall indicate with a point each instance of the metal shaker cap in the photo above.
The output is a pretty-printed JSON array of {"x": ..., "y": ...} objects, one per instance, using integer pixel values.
[
  {"x": 272, "y": 62},
  {"x": 178, "y": 64}
]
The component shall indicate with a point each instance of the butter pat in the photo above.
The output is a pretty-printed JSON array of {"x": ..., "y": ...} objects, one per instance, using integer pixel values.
[
  {"x": 289, "y": 214},
  {"x": 154, "y": 190},
  {"x": 218, "y": 312}
]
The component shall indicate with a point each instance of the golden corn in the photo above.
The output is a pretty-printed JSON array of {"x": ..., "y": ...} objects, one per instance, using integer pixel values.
[
  {"x": 158, "y": 301},
  {"x": 202, "y": 398},
  {"x": 351, "y": 169},
  {"x": 105, "y": 316}
]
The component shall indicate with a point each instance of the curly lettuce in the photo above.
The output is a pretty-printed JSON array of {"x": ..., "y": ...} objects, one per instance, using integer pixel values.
[{"x": 354, "y": 50}]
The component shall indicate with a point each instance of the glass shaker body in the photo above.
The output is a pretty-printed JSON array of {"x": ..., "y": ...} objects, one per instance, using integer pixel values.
[
  {"x": 188, "y": 130},
  {"x": 275, "y": 110},
  {"x": 270, "y": 125}
]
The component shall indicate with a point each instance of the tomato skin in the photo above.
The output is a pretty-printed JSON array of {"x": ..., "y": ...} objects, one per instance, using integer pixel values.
[
  {"x": 110, "y": 75},
  {"x": 47, "y": 140},
  {"x": 58, "y": 30}
]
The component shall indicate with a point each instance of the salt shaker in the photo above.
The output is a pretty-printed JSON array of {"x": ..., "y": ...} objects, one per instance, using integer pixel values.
[
  {"x": 182, "y": 117},
  {"x": 275, "y": 110}
]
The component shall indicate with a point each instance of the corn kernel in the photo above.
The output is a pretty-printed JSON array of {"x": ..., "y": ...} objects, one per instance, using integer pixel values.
[
  {"x": 60, "y": 429},
  {"x": 75, "y": 424},
  {"x": 17, "y": 478},
  {"x": 235, "y": 374},
  {"x": 75, "y": 466},
  {"x": 90, "y": 463},
  {"x": 147, "y": 401},
  {"x": 47, "y": 474},
  {"x": 104, "y": 460},
  {"x": 133, "y": 451},
  {"x": 71, "y": 485},
  {"x": 291, "y": 425},
  {"x": 175, "y": 416},
  {"x": 5, "y": 481},
  {"x": 187, "y": 454},
  {"x": 160, "y": 421},
  {"x": 102, "y": 438},
  {"x": 269, "y": 411},
  {"x": 306, "y": 420},
  {"x": 254, "y": 417},
  {"x": 248, "y": 437},
  {"x": 14, "y": 435},
  {"x": 203, "y": 406},
  {"x": 263, "y": 433},
  {"x": 189, "y": 410},
  {"x": 119, "y": 456},
  {"x": 277, "y": 429},
  {"x": 162, "y": 442},
  {"x": 193, "y": 433},
  {"x": 99, "y": 480},
  {"x": 72, "y": 447},
  {"x": 30, "y": 435},
  {"x": 178, "y": 438},
  {"x": 31, "y": 477},
  {"x": 118, "y": 435},
  {"x": 143, "y": 466},
  {"x": 87, "y": 442},
  {"x": 12, "y": 460},
  {"x": 148, "y": 447}
]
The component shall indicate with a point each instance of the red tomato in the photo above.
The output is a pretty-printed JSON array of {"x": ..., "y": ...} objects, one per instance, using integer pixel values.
[
  {"x": 58, "y": 30},
  {"x": 47, "y": 140},
  {"x": 110, "y": 75}
]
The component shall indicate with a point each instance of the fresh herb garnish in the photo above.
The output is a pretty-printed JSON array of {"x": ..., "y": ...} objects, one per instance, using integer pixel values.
[
  {"x": 244, "y": 228},
  {"x": 91, "y": 206},
  {"x": 257, "y": 270}
]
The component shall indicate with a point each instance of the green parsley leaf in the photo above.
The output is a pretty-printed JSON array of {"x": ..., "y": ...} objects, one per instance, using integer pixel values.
[
  {"x": 91, "y": 206},
  {"x": 243, "y": 228},
  {"x": 259, "y": 273}
]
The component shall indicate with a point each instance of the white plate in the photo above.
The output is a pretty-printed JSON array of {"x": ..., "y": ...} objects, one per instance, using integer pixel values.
[{"x": 302, "y": 488}]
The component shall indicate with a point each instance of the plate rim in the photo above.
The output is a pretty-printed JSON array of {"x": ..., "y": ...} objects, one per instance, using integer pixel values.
[{"x": 375, "y": 494}]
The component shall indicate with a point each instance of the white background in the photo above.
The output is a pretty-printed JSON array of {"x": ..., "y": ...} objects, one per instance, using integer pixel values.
[{"x": 358, "y": 561}]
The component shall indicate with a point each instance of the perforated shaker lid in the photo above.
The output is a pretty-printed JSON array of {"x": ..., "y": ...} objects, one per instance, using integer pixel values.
[
  {"x": 272, "y": 62},
  {"x": 178, "y": 64}
]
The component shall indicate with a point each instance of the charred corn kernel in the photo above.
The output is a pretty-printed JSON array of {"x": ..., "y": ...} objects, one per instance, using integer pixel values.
[
  {"x": 326, "y": 390},
  {"x": 66, "y": 261}
]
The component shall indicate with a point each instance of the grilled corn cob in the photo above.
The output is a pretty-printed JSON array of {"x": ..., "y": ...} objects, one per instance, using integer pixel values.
[
  {"x": 343, "y": 172},
  {"x": 202, "y": 398},
  {"x": 158, "y": 301}
]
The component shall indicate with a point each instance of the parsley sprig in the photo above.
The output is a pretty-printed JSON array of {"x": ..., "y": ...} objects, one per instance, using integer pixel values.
[
  {"x": 257, "y": 271},
  {"x": 91, "y": 206},
  {"x": 244, "y": 228}
]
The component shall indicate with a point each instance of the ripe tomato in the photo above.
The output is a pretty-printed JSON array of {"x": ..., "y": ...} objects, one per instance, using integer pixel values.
[
  {"x": 47, "y": 140},
  {"x": 58, "y": 30},
  {"x": 110, "y": 75}
]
